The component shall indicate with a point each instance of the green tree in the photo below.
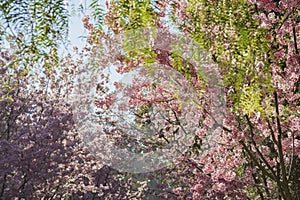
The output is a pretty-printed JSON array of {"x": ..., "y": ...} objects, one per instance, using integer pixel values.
[{"x": 34, "y": 29}]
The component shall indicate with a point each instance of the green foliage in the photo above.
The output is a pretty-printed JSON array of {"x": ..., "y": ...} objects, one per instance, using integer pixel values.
[
  {"x": 35, "y": 28},
  {"x": 97, "y": 13},
  {"x": 250, "y": 101},
  {"x": 237, "y": 43},
  {"x": 134, "y": 14},
  {"x": 137, "y": 46}
]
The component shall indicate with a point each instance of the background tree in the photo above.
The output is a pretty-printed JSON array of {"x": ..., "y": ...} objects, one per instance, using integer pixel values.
[{"x": 36, "y": 27}]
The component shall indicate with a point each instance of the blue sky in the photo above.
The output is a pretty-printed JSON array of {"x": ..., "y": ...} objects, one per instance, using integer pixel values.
[
  {"x": 78, "y": 9},
  {"x": 76, "y": 29}
]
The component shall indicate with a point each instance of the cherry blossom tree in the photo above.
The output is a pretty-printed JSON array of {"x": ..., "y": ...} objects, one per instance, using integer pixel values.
[
  {"x": 265, "y": 110},
  {"x": 255, "y": 45},
  {"x": 40, "y": 152}
]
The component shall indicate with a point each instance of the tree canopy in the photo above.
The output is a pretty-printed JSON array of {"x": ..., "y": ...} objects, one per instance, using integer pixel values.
[{"x": 213, "y": 85}]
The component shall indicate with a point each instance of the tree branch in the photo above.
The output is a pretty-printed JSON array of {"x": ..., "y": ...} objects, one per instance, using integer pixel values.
[
  {"x": 280, "y": 150},
  {"x": 256, "y": 148}
]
